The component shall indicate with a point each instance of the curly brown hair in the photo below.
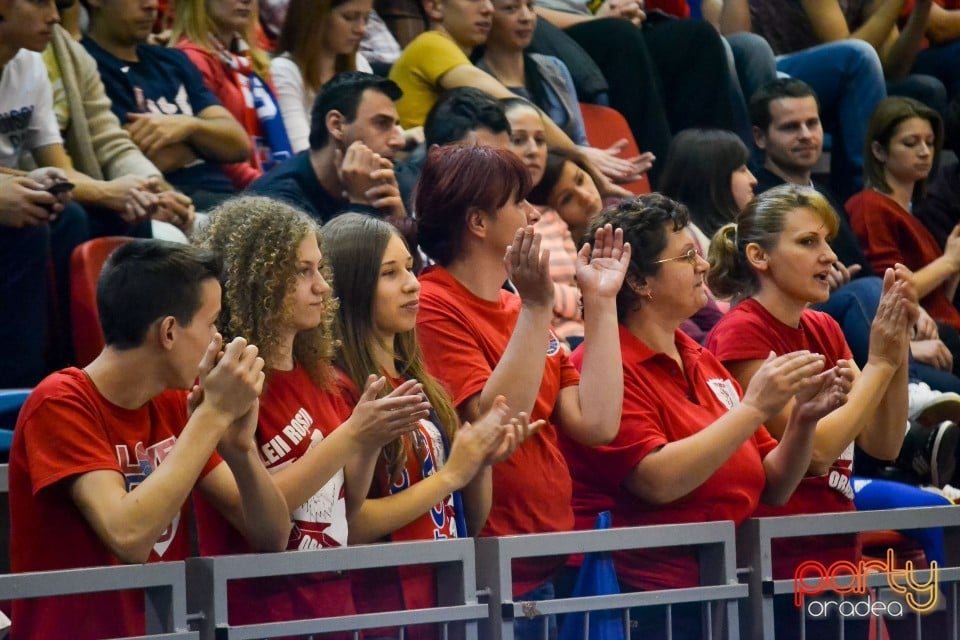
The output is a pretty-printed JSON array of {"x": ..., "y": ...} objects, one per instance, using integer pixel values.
[{"x": 258, "y": 239}]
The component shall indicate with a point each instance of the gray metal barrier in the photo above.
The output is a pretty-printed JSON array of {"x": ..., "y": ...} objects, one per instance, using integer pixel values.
[
  {"x": 163, "y": 585},
  {"x": 754, "y": 541},
  {"x": 457, "y": 612},
  {"x": 714, "y": 541}
]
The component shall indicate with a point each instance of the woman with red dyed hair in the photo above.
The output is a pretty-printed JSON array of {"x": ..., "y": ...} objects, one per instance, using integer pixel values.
[{"x": 483, "y": 341}]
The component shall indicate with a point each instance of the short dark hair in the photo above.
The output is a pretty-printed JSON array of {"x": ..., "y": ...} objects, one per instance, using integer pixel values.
[
  {"x": 776, "y": 90},
  {"x": 456, "y": 179},
  {"x": 343, "y": 93},
  {"x": 459, "y": 111},
  {"x": 644, "y": 221},
  {"x": 145, "y": 280}
]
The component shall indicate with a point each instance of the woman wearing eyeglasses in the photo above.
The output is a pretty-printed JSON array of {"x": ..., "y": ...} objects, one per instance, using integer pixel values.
[
  {"x": 691, "y": 447},
  {"x": 774, "y": 262}
]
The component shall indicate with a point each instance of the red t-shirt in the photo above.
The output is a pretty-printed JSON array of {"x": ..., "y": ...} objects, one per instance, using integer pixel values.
[
  {"x": 890, "y": 234},
  {"x": 65, "y": 429},
  {"x": 295, "y": 415},
  {"x": 463, "y": 338},
  {"x": 411, "y": 587},
  {"x": 662, "y": 405},
  {"x": 750, "y": 332}
]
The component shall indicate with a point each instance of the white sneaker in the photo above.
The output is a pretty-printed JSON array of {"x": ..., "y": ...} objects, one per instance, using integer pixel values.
[{"x": 930, "y": 407}]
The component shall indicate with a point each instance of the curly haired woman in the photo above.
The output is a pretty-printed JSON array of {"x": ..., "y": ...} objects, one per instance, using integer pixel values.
[{"x": 278, "y": 291}]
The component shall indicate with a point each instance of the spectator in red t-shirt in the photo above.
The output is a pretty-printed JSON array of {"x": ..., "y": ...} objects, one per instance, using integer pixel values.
[
  {"x": 277, "y": 291},
  {"x": 483, "y": 341},
  {"x": 774, "y": 262},
  {"x": 435, "y": 482},
  {"x": 691, "y": 447}
]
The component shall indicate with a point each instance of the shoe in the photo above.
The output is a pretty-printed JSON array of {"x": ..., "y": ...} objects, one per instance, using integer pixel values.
[
  {"x": 930, "y": 407},
  {"x": 935, "y": 457}
]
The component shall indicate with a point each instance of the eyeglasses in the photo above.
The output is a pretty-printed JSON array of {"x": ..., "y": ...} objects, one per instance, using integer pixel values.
[{"x": 692, "y": 256}]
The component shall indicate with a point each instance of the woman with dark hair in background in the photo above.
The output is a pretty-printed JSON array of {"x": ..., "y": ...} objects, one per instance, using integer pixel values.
[
  {"x": 319, "y": 39},
  {"x": 707, "y": 171},
  {"x": 904, "y": 138}
]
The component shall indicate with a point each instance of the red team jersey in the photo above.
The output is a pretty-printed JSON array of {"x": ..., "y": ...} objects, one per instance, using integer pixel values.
[
  {"x": 463, "y": 338},
  {"x": 663, "y": 404},
  {"x": 408, "y": 587},
  {"x": 65, "y": 429},
  {"x": 295, "y": 415},
  {"x": 750, "y": 332}
]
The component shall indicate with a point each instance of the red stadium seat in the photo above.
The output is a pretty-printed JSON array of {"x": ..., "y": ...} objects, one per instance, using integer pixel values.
[
  {"x": 604, "y": 127},
  {"x": 85, "y": 265}
]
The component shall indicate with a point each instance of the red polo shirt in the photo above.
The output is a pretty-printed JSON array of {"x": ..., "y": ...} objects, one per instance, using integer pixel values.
[{"x": 663, "y": 404}]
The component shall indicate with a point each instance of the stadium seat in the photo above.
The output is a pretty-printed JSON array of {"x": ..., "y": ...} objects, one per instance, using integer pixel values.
[
  {"x": 85, "y": 265},
  {"x": 604, "y": 127}
]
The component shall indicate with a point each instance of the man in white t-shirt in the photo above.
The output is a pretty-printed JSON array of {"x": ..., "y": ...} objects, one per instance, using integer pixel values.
[{"x": 27, "y": 207}]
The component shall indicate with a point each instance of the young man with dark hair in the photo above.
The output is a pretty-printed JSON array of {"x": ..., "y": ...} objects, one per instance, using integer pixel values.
[
  {"x": 460, "y": 116},
  {"x": 354, "y": 134},
  {"x": 788, "y": 131},
  {"x": 104, "y": 459}
]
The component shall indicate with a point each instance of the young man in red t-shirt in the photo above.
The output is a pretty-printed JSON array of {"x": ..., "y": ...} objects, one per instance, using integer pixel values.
[{"x": 87, "y": 487}]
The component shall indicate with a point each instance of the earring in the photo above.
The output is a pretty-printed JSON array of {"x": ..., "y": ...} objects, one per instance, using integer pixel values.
[{"x": 649, "y": 296}]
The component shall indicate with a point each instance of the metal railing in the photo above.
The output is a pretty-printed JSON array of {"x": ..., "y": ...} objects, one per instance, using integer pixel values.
[
  {"x": 457, "y": 612},
  {"x": 756, "y": 535},
  {"x": 163, "y": 585},
  {"x": 719, "y": 590}
]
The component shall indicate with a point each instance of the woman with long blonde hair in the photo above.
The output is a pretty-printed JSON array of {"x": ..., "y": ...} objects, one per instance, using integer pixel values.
[{"x": 218, "y": 37}]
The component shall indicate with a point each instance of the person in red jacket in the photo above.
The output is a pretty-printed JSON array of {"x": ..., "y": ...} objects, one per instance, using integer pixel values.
[{"x": 904, "y": 138}]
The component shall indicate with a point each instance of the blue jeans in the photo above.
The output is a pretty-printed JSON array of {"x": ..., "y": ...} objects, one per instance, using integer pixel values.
[
  {"x": 26, "y": 258},
  {"x": 925, "y": 88},
  {"x": 752, "y": 65},
  {"x": 848, "y": 79}
]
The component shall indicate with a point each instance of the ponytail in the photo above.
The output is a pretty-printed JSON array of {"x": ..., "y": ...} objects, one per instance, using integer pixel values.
[{"x": 730, "y": 277}]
